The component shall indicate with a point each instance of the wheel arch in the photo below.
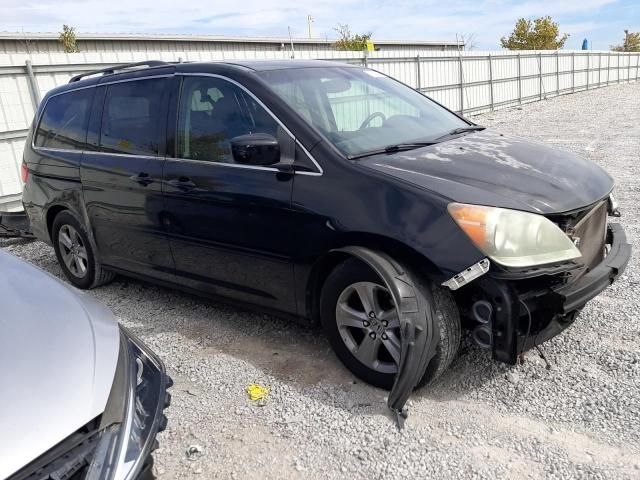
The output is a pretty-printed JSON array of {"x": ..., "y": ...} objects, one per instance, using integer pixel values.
[
  {"x": 52, "y": 213},
  {"x": 340, "y": 252},
  {"x": 55, "y": 209}
]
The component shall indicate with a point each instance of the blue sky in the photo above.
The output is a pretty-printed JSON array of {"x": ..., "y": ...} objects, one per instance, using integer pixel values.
[{"x": 601, "y": 21}]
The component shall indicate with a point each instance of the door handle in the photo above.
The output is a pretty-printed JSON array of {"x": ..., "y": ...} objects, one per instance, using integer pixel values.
[
  {"x": 183, "y": 183},
  {"x": 142, "y": 178}
]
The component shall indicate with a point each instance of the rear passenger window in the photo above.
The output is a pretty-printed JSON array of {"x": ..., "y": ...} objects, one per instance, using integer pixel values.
[
  {"x": 64, "y": 121},
  {"x": 131, "y": 116}
]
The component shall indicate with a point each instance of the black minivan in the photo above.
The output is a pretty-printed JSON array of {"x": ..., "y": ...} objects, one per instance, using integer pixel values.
[{"x": 326, "y": 192}]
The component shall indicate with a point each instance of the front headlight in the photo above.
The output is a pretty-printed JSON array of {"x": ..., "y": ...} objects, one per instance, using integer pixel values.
[
  {"x": 513, "y": 238},
  {"x": 139, "y": 394}
]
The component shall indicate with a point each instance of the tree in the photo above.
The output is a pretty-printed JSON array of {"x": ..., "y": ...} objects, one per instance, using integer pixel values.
[
  {"x": 68, "y": 39},
  {"x": 468, "y": 41},
  {"x": 540, "y": 34},
  {"x": 349, "y": 41},
  {"x": 631, "y": 43}
]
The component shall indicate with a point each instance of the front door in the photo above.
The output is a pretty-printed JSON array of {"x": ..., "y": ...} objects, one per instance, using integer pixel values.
[
  {"x": 229, "y": 224},
  {"x": 122, "y": 176}
]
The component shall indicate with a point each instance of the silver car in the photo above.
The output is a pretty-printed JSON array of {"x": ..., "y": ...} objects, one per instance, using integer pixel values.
[{"x": 81, "y": 397}]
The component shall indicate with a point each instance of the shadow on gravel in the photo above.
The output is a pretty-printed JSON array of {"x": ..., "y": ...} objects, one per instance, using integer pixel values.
[
  {"x": 472, "y": 369},
  {"x": 290, "y": 352}
]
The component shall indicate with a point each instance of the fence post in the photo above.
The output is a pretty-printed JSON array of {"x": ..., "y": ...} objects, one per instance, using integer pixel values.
[
  {"x": 557, "y": 73},
  {"x": 608, "y": 66},
  {"x": 418, "y": 79},
  {"x": 540, "y": 72},
  {"x": 33, "y": 85},
  {"x": 637, "y": 63},
  {"x": 461, "y": 84},
  {"x": 573, "y": 72},
  {"x": 629, "y": 69},
  {"x": 599, "y": 69},
  {"x": 588, "y": 69},
  {"x": 519, "y": 81},
  {"x": 490, "y": 83}
]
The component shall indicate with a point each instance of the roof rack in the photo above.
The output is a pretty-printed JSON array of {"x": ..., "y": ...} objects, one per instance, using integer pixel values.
[{"x": 114, "y": 69}]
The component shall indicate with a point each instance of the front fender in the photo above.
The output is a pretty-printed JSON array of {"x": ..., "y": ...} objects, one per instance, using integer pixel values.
[{"x": 417, "y": 326}]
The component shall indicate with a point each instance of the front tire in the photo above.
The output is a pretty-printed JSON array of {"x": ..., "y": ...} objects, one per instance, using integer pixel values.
[
  {"x": 75, "y": 254},
  {"x": 362, "y": 324}
]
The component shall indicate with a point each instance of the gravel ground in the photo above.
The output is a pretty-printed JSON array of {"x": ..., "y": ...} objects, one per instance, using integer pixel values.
[{"x": 578, "y": 419}]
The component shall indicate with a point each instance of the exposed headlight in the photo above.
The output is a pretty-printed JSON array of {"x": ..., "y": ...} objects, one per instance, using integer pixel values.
[
  {"x": 139, "y": 394},
  {"x": 513, "y": 238}
]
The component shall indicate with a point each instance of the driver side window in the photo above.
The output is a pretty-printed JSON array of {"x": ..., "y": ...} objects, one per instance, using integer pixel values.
[
  {"x": 213, "y": 111},
  {"x": 364, "y": 105}
]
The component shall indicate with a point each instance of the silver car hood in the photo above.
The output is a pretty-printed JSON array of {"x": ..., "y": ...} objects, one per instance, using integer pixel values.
[{"x": 58, "y": 355}]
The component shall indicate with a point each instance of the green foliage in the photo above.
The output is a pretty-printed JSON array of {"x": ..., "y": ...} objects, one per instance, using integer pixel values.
[
  {"x": 631, "y": 43},
  {"x": 68, "y": 39},
  {"x": 540, "y": 34},
  {"x": 349, "y": 41}
]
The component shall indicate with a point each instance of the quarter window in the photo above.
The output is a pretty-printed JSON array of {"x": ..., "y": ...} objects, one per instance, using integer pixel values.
[
  {"x": 64, "y": 121},
  {"x": 212, "y": 112},
  {"x": 130, "y": 117}
]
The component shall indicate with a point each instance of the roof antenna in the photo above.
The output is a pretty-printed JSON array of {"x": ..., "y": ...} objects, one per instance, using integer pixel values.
[{"x": 293, "y": 52}]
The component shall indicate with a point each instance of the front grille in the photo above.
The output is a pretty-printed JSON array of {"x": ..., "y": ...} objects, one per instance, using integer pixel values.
[{"x": 587, "y": 229}]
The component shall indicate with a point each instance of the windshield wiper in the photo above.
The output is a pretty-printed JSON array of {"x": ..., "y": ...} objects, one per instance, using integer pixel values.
[
  {"x": 458, "y": 131},
  {"x": 398, "y": 147}
]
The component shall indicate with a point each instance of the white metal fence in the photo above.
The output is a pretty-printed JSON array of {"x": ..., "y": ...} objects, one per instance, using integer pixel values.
[{"x": 466, "y": 82}]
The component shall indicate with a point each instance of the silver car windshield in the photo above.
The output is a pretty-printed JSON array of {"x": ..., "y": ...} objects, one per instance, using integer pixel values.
[{"x": 360, "y": 110}]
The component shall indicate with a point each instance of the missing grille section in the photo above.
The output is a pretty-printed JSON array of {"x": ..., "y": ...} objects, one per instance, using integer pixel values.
[{"x": 587, "y": 229}]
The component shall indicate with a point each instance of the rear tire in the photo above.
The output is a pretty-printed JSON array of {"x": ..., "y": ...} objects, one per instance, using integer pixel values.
[
  {"x": 75, "y": 253},
  {"x": 354, "y": 274}
]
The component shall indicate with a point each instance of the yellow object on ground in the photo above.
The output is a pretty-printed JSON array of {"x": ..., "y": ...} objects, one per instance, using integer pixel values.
[{"x": 258, "y": 392}]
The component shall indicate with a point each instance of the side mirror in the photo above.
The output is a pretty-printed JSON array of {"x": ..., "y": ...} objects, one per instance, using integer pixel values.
[{"x": 255, "y": 149}]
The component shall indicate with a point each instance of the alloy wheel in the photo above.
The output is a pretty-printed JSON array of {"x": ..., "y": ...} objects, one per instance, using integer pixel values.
[
  {"x": 369, "y": 326},
  {"x": 73, "y": 251}
]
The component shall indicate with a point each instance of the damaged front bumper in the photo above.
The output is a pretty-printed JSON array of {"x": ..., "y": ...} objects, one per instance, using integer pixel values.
[{"x": 525, "y": 312}]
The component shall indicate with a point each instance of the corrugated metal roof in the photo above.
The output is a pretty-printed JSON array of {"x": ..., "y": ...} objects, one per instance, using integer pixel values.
[{"x": 204, "y": 38}]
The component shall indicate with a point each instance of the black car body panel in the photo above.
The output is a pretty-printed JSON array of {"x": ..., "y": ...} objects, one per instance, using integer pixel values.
[{"x": 265, "y": 236}]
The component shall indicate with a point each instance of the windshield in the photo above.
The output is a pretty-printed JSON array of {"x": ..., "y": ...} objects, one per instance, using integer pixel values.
[{"x": 361, "y": 110}]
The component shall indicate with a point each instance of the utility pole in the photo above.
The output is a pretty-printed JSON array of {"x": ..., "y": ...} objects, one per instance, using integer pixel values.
[{"x": 309, "y": 22}]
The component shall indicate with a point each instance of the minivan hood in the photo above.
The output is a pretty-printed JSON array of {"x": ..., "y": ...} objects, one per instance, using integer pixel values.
[
  {"x": 489, "y": 168},
  {"x": 58, "y": 355}
]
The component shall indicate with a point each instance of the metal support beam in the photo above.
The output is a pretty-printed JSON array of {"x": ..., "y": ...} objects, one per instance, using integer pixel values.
[
  {"x": 557, "y": 72},
  {"x": 14, "y": 134},
  {"x": 418, "y": 74},
  {"x": 540, "y": 72},
  {"x": 573, "y": 72},
  {"x": 33, "y": 85},
  {"x": 519, "y": 81},
  {"x": 490, "y": 83},
  {"x": 460, "y": 68},
  {"x": 588, "y": 71},
  {"x": 599, "y": 68}
]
